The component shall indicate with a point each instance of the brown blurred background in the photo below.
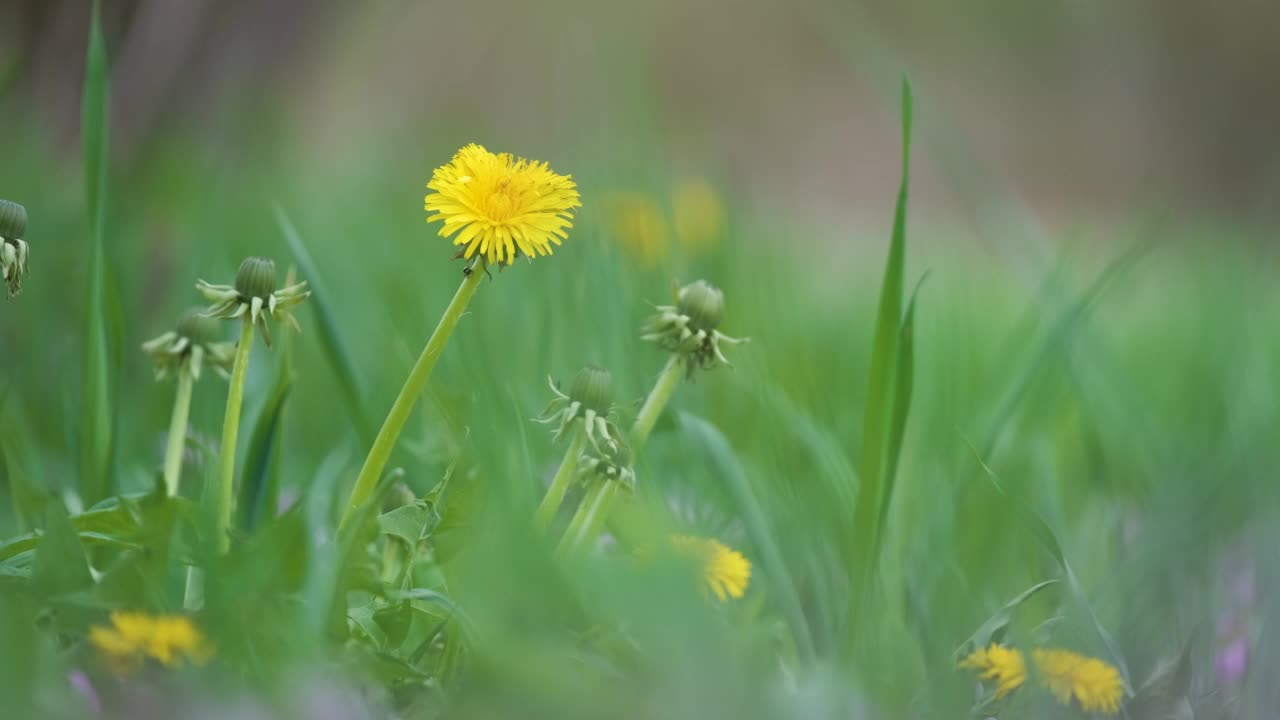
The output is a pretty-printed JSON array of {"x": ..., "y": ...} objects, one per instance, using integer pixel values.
[{"x": 1075, "y": 108}]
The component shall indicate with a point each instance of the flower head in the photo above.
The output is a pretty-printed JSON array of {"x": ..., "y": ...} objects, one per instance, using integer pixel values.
[
  {"x": 13, "y": 249},
  {"x": 133, "y": 637},
  {"x": 636, "y": 223},
  {"x": 688, "y": 328},
  {"x": 255, "y": 293},
  {"x": 725, "y": 571},
  {"x": 195, "y": 341},
  {"x": 699, "y": 214},
  {"x": 590, "y": 400},
  {"x": 501, "y": 206},
  {"x": 1005, "y": 665},
  {"x": 1095, "y": 684}
]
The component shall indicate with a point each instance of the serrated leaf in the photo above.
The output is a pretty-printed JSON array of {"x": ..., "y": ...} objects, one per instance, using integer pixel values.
[{"x": 410, "y": 523}]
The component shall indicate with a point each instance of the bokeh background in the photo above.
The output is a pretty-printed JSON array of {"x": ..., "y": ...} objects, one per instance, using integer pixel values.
[{"x": 1094, "y": 199}]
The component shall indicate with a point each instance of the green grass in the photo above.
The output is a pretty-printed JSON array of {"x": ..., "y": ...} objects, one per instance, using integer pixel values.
[{"x": 1088, "y": 458}]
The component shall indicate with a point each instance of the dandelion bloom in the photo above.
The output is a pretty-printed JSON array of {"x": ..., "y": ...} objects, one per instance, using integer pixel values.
[
  {"x": 132, "y": 637},
  {"x": 501, "y": 206},
  {"x": 1096, "y": 685},
  {"x": 1004, "y": 665},
  {"x": 725, "y": 570},
  {"x": 636, "y": 223}
]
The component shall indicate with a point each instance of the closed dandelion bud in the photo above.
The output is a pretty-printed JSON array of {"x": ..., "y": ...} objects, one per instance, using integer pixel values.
[
  {"x": 688, "y": 329},
  {"x": 593, "y": 387},
  {"x": 13, "y": 249},
  {"x": 256, "y": 278},
  {"x": 703, "y": 303},
  {"x": 589, "y": 401},
  {"x": 194, "y": 343},
  {"x": 255, "y": 294}
]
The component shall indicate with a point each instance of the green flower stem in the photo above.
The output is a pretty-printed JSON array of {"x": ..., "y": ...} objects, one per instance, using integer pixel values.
[
  {"x": 380, "y": 453},
  {"x": 596, "y": 506},
  {"x": 655, "y": 403},
  {"x": 178, "y": 431},
  {"x": 560, "y": 483},
  {"x": 230, "y": 431},
  {"x": 193, "y": 595}
]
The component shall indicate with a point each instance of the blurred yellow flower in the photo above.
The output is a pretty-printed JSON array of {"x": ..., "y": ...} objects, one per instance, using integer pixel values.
[
  {"x": 637, "y": 224},
  {"x": 1004, "y": 665},
  {"x": 501, "y": 206},
  {"x": 725, "y": 570},
  {"x": 132, "y": 637},
  {"x": 699, "y": 214},
  {"x": 1095, "y": 684}
]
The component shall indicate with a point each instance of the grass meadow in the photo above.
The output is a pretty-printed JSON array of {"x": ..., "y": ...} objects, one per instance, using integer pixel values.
[{"x": 984, "y": 469}]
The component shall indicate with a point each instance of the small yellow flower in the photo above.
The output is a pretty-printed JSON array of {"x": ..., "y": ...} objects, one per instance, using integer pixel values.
[
  {"x": 132, "y": 637},
  {"x": 1005, "y": 665},
  {"x": 1095, "y": 684},
  {"x": 636, "y": 223},
  {"x": 725, "y": 570},
  {"x": 501, "y": 206},
  {"x": 699, "y": 214}
]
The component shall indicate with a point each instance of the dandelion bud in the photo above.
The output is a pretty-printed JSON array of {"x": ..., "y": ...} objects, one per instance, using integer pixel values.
[
  {"x": 255, "y": 295},
  {"x": 13, "y": 249},
  {"x": 703, "y": 303},
  {"x": 593, "y": 388},
  {"x": 256, "y": 278},
  {"x": 13, "y": 220},
  {"x": 688, "y": 328},
  {"x": 193, "y": 343},
  {"x": 589, "y": 401},
  {"x": 198, "y": 327}
]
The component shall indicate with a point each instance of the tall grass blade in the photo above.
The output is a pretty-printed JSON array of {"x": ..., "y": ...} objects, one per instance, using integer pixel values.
[
  {"x": 95, "y": 400},
  {"x": 335, "y": 347},
  {"x": 877, "y": 419},
  {"x": 903, "y": 385}
]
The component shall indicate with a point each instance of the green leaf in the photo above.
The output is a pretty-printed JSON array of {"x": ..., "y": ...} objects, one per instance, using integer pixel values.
[
  {"x": 260, "y": 478},
  {"x": 874, "y": 486},
  {"x": 410, "y": 523},
  {"x": 903, "y": 385},
  {"x": 60, "y": 565},
  {"x": 328, "y": 329},
  {"x": 363, "y": 618},
  {"x": 95, "y": 400}
]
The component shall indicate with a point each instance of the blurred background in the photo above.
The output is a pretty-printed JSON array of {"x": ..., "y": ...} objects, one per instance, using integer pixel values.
[{"x": 1075, "y": 107}]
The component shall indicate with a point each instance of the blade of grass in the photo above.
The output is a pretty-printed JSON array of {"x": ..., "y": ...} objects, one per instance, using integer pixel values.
[
  {"x": 772, "y": 561},
  {"x": 903, "y": 385},
  {"x": 878, "y": 412},
  {"x": 260, "y": 479},
  {"x": 95, "y": 401},
  {"x": 330, "y": 337}
]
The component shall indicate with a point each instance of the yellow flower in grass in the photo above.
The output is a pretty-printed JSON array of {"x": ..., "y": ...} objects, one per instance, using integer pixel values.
[
  {"x": 501, "y": 206},
  {"x": 1095, "y": 684},
  {"x": 725, "y": 570},
  {"x": 133, "y": 637},
  {"x": 1004, "y": 665},
  {"x": 636, "y": 223},
  {"x": 699, "y": 213}
]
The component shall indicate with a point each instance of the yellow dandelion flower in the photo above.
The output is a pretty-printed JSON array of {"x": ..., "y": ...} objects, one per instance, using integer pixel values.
[
  {"x": 726, "y": 571},
  {"x": 501, "y": 206},
  {"x": 636, "y": 223},
  {"x": 132, "y": 637},
  {"x": 699, "y": 213},
  {"x": 1095, "y": 684},
  {"x": 1005, "y": 665}
]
